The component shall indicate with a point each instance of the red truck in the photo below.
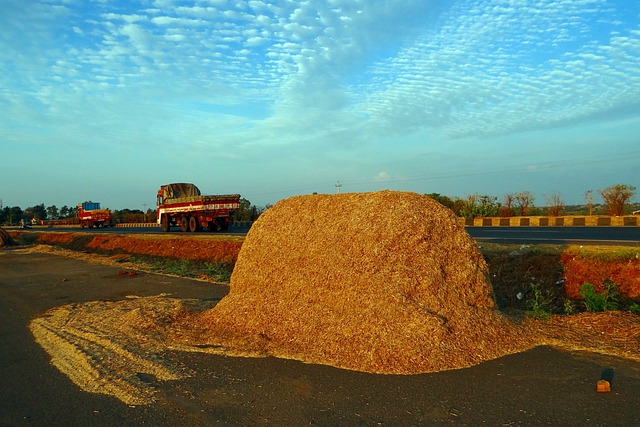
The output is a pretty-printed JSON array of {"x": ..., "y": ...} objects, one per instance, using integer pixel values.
[
  {"x": 182, "y": 204},
  {"x": 90, "y": 215}
]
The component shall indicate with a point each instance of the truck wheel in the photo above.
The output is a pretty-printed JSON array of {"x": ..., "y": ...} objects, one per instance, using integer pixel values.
[
  {"x": 166, "y": 225},
  {"x": 193, "y": 224},
  {"x": 184, "y": 223}
]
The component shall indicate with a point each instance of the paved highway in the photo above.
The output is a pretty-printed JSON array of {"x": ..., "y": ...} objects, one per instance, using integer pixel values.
[{"x": 628, "y": 236}]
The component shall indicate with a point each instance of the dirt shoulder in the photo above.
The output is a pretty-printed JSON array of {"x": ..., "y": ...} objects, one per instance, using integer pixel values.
[{"x": 540, "y": 386}]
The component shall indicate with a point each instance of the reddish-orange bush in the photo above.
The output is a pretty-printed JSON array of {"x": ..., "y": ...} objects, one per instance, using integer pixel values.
[
  {"x": 55, "y": 237},
  {"x": 201, "y": 248},
  {"x": 578, "y": 271}
]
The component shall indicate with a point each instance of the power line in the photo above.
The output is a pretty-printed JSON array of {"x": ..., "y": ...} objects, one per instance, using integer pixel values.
[
  {"x": 526, "y": 168},
  {"x": 520, "y": 168}
]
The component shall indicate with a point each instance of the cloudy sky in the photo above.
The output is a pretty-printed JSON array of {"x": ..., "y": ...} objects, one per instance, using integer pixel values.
[{"x": 106, "y": 100}]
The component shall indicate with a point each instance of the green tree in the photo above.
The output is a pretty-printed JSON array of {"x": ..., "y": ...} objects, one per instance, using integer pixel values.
[
  {"x": 37, "y": 212},
  {"x": 243, "y": 213},
  {"x": 458, "y": 206},
  {"x": 247, "y": 211},
  {"x": 127, "y": 216},
  {"x": 616, "y": 197},
  {"x": 480, "y": 205},
  {"x": 443, "y": 200},
  {"x": 52, "y": 212},
  {"x": 11, "y": 215}
]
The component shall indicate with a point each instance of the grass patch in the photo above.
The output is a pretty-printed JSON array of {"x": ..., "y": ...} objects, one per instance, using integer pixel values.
[
  {"x": 214, "y": 272},
  {"x": 605, "y": 253}
]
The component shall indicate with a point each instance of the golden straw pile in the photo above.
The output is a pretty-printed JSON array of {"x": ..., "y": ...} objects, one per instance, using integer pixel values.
[{"x": 385, "y": 282}]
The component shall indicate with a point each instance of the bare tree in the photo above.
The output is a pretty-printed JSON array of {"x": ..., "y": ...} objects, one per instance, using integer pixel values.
[
  {"x": 555, "y": 204},
  {"x": 524, "y": 201},
  {"x": 589, "y": 197},
  {"x": 616, "y": 196},
  {"x": 507, "y": 206}
]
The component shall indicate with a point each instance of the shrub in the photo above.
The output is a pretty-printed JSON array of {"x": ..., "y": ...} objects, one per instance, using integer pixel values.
[
  {"x": 600, "y": 301},
  {"x": 539, "y": 305},
  {"x": 569, "y": 307}
]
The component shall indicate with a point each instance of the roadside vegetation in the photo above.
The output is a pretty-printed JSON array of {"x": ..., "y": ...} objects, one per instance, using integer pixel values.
[
  {"x": 543, "y": 280},
  {"x": 615, "y": 200},
  {"x": 528, "y": 280},
  {"x": 215, "y": 272}
]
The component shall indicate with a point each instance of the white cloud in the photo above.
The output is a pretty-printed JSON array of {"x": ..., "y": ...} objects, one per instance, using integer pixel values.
[
  {"x": 382, "y": 176},
  {"x": 322, "y": 83}
]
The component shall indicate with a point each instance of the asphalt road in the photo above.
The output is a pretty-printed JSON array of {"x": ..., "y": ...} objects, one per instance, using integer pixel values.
[
  {"x": 518, "y": 235},
  {"x": 542, "y": 386},
  {"x": 558, "y": 235}
]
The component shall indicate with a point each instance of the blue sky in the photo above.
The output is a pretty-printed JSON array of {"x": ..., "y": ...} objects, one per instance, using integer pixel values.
[{"x": 107, "y": 100}]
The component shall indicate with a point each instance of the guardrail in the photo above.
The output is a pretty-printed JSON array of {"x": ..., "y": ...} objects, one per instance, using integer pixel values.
[
  {"x": 237, "y": 224},
  {"x": 513, "y": 221},
  {"x": 558, "y": 221},
  {"x": 136, "y": 225}
]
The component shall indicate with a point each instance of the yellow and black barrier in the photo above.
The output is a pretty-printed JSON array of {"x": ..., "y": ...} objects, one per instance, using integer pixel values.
[{"x": 554, "y": 221}]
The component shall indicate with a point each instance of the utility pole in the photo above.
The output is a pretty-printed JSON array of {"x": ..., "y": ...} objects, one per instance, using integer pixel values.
[{"x": 338, "y": 186}]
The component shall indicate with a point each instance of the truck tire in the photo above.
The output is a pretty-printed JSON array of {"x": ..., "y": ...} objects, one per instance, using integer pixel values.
[
  {"x": 184, "y": 224},
  {"x": 193, "y": 224},
  {"x": 166, "y": 225}
]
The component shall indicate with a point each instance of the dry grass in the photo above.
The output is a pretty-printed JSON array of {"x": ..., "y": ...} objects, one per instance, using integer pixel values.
[
  {"x": 615, "y": 333},
  {"x": 605, "y": 253},
  {"x": 113, "y": 347}
]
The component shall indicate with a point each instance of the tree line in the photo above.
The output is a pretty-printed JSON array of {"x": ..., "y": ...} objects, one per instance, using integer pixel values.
[
  {"x": 66, "y": 215},
  {"x": 615, "y": 202},
  {"x": 14, "y": 215}
]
